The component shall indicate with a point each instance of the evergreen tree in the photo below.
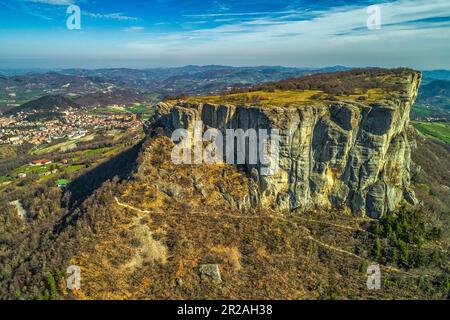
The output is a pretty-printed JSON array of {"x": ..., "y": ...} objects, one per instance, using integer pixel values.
[
  {"x": 378, "y": 248},
  {"x": 51, "y": 283}
]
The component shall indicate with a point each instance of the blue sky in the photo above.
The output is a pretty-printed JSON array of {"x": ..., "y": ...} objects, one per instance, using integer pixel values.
[{"x": 153, "y": 33}]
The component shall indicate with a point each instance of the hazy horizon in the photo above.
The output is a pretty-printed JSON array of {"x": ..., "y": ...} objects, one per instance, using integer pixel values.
[{"x": 56, "y": 69}]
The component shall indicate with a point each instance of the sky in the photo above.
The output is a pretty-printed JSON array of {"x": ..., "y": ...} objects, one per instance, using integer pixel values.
[{"x": 167, "y": 33}]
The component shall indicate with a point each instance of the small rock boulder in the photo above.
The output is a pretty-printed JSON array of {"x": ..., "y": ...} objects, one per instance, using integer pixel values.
[{"x": 211, "y": 271}]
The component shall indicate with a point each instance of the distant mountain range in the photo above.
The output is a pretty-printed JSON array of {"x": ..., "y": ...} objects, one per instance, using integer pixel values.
[
  {"x": 438, "y": 88},
  {"x": 119, "y": 97},
  {"x": 194, "y": 80},
  {"x": 432, "y": 75},
  {"x": 58, "y": 103},
  {"x": 433, "y": 100},
  {"x": 52, "y": 80},
  {"x": 126, "y": 86},
  {"x": 104, "y": 85}
]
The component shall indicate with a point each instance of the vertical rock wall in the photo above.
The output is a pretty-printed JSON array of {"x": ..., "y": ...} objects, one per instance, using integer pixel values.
[{"x": 344, "y": 154}]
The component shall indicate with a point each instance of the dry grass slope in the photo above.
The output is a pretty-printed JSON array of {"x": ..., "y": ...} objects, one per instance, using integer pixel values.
[{"x": 164, "y": 226}]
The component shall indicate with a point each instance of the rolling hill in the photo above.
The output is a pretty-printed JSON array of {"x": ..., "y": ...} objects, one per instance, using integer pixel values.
[
  {"x": 50, "y": 103},
  {"x": 433, "y": 100},
  {"x": 107, "y": 98}
]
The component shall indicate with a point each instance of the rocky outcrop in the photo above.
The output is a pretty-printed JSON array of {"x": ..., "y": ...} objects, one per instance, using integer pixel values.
[{"x": 343, "y": 154}]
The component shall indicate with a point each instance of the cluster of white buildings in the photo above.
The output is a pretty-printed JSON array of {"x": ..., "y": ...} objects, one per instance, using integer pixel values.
[{"x": 73, "y": 124}]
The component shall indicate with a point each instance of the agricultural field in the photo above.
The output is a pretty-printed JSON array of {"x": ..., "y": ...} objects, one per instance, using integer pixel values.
[
  {"x": 21, "y": 96},
  {"x": 69, "y": 163},
  {"x": 63, "y": 146},
  {"x": 435, "y": 130},
  {"x": 138, "y": 108},
  {"x": 421, "y": 111}
]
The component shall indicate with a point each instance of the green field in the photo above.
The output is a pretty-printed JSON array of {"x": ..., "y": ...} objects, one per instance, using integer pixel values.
[
  {"x": 138, "y": 108},
  {"x": 74, "y": 168},
  {"x": 141, "y": 108},
  {"x": 78, "y": 161},
  {"x": 422, "y": 111},
  {"x": 435, "y": 130},
  {"x": 57, "y": 147},
  {"x": 70, "y": 168},
  {"x": 93, "y": 152},
  {"x": 35, "y": 169}
]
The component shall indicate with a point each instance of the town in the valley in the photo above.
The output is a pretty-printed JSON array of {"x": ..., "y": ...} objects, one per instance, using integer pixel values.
[{"x": 72, "y": 124}]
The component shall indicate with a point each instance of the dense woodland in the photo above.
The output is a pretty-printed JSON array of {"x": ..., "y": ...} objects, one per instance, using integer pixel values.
[
  {"x": 32, "y": 251},
  {"x": 32, "y": 254},
  {"x": 355, "y": 81}
]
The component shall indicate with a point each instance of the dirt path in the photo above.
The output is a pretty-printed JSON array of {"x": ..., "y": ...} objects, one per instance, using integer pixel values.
[
  {"x": 331, "y": 224},
  {"x": 124, "y": 205},
  {"x": 282, "y": 218}
]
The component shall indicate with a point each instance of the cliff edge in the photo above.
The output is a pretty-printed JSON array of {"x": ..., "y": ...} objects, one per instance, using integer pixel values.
[{"x": 343, "y": 141}]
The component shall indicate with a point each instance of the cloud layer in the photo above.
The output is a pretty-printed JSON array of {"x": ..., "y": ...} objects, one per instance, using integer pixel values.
[{"x": 413, "y": 33}]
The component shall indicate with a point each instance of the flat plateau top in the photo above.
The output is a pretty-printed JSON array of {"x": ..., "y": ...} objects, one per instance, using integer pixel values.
[
  {"x": 288, "y": 98},
  {"x": 364, "y": 86}
]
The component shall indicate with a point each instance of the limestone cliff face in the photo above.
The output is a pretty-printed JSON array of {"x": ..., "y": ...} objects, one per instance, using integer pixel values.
[{"x": 339, "y": 154}]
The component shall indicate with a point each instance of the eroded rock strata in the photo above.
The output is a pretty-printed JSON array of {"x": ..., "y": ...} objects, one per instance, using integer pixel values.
[{"x": 343, "y": 154}]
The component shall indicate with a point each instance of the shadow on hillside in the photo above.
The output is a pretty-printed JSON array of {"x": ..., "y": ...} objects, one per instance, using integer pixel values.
[{"x": 121, "y": 166}]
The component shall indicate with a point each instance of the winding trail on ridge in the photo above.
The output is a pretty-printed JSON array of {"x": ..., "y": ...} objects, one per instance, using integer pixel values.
[{"x": 280, "y": 217}]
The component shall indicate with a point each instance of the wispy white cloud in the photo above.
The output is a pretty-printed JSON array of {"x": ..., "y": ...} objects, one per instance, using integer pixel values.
[
  {"x": 292, "y": 33},
  {"x": 324, "y": 25},
  {"x": 113, "y": 16},
  {"x": 53, "y": 2},
  {"x": 413, "y": 33},
  {"x": 220, "y": 6},
  {"x": 134, "y": 29},
  {"x": 239, "y": 14},
  {"x": 21, "y": 7}
]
